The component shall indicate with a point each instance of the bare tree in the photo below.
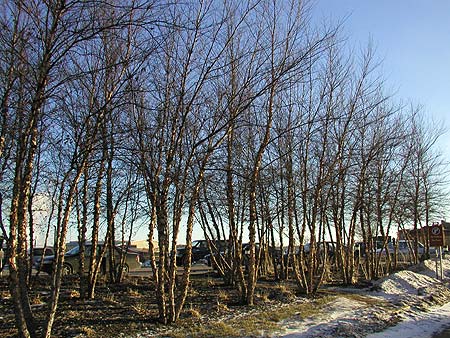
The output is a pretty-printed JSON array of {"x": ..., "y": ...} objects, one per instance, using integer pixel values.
[
  {"x": 421, "y": 196},
  {"x": 41, "y": 35},
  {"x": 176, "y": 143}
]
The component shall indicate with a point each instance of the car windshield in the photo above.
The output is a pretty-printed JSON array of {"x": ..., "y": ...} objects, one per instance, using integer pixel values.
[
  {"x": 405, "y": 245},
  {"x": 40, "y": 251},
  {"x": 380, "y": 245},
  {"x": 199, "y": 244},
  {"x": 402, "y": 245},
  {"x": 88, "y": 248},
  {"x": 73, "y": 251}
]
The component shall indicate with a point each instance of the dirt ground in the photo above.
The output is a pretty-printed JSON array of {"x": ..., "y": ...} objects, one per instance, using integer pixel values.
[
  {"x": 212, "y": 309},
  {"x": 130, "y": 307}
]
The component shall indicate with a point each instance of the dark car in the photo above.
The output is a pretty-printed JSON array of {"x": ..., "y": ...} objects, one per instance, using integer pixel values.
[
  {"x": 359, "y": 250},
  {"x": 200, "y": 251},
  {"x": 39, "y": 253},
  {"x": 72, "y": 265},
  {"x": 321, "y": 248}
]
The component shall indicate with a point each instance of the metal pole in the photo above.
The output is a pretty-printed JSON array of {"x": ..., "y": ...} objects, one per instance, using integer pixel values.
[{"x": 436, "y": 253}]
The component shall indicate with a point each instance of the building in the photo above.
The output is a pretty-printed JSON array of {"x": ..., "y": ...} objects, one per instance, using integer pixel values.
[{"x": 408, "y": 234}]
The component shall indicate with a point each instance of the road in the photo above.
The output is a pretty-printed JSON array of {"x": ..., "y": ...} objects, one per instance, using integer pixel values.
[{"x": 196, "y": 269}]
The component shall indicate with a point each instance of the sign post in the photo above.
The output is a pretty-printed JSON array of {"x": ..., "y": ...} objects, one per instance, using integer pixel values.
[
  {"x": 1, "y": 261},
  {"x": 436, "y": 235}
]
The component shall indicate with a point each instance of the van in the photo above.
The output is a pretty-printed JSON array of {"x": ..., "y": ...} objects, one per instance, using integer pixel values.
[{"x": 72, "y": 265}]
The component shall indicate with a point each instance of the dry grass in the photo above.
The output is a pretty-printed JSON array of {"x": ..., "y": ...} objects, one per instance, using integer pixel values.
[
  {"x": 74, "y": 294},
  {"x": 71, "y": 314},
  {"x": 88, "y": 331},
  {"x": 267, "y": 321},
  {"x": 213, "y": 310},
  {"x": 221, "y": 307},
  {"x": 263, "y": 296},
  {"x": 193, "y": 292},
  {"x": 366, "y": 299},
  {"x": 141, "y": 309},
  {"x": 218, "y": 329},
  {"x": 110, "y": 298},
  {"x": 223, "y": 296},
  {"x": 133, "y": 293},
  {"x": 36, "y": 300},
  {"x": 4, "y": 294},
  {"x": 193, "y": 313},
  {"x": 255, "y": 323}
]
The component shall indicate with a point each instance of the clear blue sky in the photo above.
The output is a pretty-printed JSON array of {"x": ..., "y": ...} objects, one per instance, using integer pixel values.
[{"x": 412, "y": 38}]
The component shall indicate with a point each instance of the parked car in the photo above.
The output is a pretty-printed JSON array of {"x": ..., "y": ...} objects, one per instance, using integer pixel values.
[
  {"x": 223, "y": 248},
  {"x": 200, "y": 251},
  {"x": 270, "y": 253},
  {"x": 359, "y": 249},
  {"x": 146, "y": 264},
  {"x": 71, "y": 260},
  {"x": 322, "y": 247},
  {"x": 405, "y": 250},
  {"x": 39, "y": 253}
]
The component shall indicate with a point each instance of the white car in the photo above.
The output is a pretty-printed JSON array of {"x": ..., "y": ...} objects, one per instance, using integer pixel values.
[{"x": 405, "y": 249}]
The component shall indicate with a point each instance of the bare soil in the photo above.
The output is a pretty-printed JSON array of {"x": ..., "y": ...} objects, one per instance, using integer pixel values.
[
  {"x": 129, "y": 308},
  {"x": 212, "y": 309}
]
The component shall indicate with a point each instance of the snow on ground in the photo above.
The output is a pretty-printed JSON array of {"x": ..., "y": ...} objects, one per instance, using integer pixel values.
[
  {"x": 419, "y": 324},
  {"x": 405, "y": 304},
  {"x": 321, "y": 324}
]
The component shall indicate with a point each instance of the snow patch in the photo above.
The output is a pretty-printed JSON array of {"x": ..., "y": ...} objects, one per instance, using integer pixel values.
[
  {"x": 412, "y": 299},
  {"x": 406, "y": 281}
]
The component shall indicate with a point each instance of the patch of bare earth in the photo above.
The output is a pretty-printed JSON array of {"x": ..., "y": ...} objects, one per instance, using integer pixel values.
[
  {"x": 214, "y": 309},
  {"x": 129, "y": 308}
]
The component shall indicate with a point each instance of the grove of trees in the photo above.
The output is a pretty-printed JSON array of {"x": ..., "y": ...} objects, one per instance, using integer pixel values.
[{"x": 241, "y": 118}]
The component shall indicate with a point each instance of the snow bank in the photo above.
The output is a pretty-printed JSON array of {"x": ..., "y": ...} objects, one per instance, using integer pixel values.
[
  {"x": 406, "y": 282},
  {"x": 411, "y": 297}
]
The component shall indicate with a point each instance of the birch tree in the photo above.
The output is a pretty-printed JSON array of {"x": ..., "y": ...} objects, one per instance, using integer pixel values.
[{"x": 41, "y": 36}]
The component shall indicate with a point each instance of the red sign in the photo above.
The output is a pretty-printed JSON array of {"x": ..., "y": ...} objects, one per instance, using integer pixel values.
[{"x": 436, "y": 234}]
